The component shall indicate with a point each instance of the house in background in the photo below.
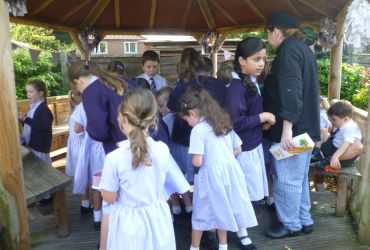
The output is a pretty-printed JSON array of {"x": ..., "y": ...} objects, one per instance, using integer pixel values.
[
  {"x": 120, "y": 45},
  {"x": 128, "y": 49}
]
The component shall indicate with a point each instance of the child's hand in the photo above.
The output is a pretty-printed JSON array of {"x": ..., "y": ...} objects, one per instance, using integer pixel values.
[
  {"x": 334, "y": 162},
  {"x": 21, "y": 117},
  {"x": 267, "y": 117},
  {"x": 266, "y": 126}
]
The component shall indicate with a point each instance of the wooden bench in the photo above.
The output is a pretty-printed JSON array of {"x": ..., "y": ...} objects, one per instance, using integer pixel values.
[
  {"x": 41, "y": 179},
  {"x": 344, "y": 178}
]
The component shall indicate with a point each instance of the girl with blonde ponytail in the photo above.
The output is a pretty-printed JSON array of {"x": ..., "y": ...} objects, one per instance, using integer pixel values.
[{"x": 137, "y": 179}]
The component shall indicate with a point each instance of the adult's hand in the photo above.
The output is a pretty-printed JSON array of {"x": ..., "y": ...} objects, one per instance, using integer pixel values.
[{"x": 286, "y": 141}]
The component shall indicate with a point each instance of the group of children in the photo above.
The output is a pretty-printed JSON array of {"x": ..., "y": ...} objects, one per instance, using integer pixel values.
[{"x": 140, "y": 136}]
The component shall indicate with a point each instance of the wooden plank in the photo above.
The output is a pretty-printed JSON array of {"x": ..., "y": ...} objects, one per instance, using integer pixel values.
[
  {"x": 75, "y": 10},
  {"x": 222, "y": 10},
  {"x": 342, "y": 195},
  {"x": 255, "y": 10},
  {"x": 117, "y": 14},
  {"x": 185, "y": 17},
  {"x": 292, "y": 8},
  {"x": 37, "y": 184},
  {"x": 153, "y": 8},
  {"x": 207, "y": 14},
  {"x": 41, "y": 7},
  {"x": 318, "y": 7},
  {"x": 94, "y": 14}
]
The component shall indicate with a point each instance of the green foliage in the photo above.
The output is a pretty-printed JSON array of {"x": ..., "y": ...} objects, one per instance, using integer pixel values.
[
  {"x": 355, "y": 81},
  {"x": 38, "y": 38},
  {"x": 43, "y": 69}
]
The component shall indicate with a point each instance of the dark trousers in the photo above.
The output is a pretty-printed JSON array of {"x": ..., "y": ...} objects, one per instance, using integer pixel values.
[{"x": 328, "y": 149}]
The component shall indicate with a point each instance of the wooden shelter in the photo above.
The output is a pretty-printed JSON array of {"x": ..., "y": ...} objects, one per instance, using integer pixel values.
[{"x": 193, "y": 17}]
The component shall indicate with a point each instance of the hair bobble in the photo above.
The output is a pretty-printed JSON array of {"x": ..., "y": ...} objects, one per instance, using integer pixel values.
[{"x": 86, "y": 66}]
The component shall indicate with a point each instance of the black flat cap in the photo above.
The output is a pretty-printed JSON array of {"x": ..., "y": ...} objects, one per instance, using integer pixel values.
[{"x": 282, "y": 20}]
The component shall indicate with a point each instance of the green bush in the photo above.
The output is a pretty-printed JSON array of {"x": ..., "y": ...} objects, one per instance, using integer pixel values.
[
  {"x": 354, "y": 82},
  {"x": 44, "y": 69}
]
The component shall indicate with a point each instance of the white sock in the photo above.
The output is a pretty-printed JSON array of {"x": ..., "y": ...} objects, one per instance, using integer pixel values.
[
  {"x": 97, "y": 216},
  {"x": 176, "y": 210},
  {"x": 270, "y": 200},
  {"x": 193, "y": 248},
  {"x": 189, "y": 209},
  {"x": 85, "y": 203},
  {"x": 243, "y": 235},
  {"x": 222, "y": 247}
]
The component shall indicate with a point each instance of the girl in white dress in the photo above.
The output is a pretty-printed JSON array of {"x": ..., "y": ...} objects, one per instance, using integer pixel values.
[
  {"x": 220, "y": 199},
  {"x": 134, "y": 179}
]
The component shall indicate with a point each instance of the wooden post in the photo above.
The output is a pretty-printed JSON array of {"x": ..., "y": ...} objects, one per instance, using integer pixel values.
[
  {"x": 84, "y": 54},
  {"x": 342, "y": 191},
  {"x": 335, "y": 72},
  {"x": 364, "y": 228},
  {"x": 13, "y": 220},
  {"x": 214, "y": 62},
  {"x": 60, "y": 208}
]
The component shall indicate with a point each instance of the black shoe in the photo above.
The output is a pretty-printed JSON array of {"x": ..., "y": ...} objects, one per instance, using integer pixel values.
[
  {"x": 86, "y": 210},
  {"x": 249, "y": 247},
  {"x": 46, "y": 201},
  {"x": 209, "y": 241},
  {"x": 307, "y": 229},
  {"x": 97, "y": 225},
  {"x": 281, "y": 232},
  {"x": 316, "y": 155},
  {"x": 320, "y": 164}
]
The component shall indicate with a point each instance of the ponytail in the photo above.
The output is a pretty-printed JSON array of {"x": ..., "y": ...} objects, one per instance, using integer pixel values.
[
  {"x": 139, "y": 108},
  {"x": 199, "y": 99}
]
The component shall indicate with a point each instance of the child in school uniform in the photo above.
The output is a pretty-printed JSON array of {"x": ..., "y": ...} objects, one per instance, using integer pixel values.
[
  {"x": 150, "y": 64},
  {"x": 102, "y": 93},
  {"x": 346, "y": 134},
  {"x": 76, "y": 141},
  {"x": 220, "y": 199},
  {"x": 244, "y": 103},
  {"x": 134, "y": 179},
  {"x": 37, "y": 130}
]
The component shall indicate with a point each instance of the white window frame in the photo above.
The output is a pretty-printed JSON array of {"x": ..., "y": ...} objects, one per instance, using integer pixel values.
[
  {"x": 129, "y": 43},
  {"x": 98, "y": 50}
]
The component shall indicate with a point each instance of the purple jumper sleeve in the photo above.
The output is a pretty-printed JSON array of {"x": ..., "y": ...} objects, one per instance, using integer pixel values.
[
  {"x": 96, "y": 105},
  {"x": 42, "y": 121},
  {"x": 236, "y": 103}
]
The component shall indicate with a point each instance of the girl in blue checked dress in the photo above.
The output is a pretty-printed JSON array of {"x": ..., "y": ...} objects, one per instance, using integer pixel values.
[
  {"x": 137, "y": 179},
  {"x": 220, "y": 199}
]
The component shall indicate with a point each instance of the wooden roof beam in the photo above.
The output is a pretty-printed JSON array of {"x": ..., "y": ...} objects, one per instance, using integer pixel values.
[
  {"x": 207, "y": 14},
  {"x": 292, "y": 8},
  {"x": 117, "y": 15},
  {"x": 255, "y": 10},
  {"x": 41, "y": 7},
  {"x": 38, "y": 23},
  {"x": 153, "y": 8},
  {"x": 318, "y": 7},
  {"x": 185, "y": 17},
  {"x": 222, "y": 10},
  {"x": 80, "y": 6},
  {"x": 94, "y": 14}
]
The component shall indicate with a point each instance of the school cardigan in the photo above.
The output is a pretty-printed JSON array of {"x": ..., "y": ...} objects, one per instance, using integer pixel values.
[
  {"x": 101, "y": 107},
  {"x": 244, "y": 112},
  {"x": 41, "y": 128},
  {"x": 291, "y": 90},
  {"x": 214, "y": 87}
]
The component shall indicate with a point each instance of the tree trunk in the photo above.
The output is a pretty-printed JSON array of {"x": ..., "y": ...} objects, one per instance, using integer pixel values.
[{"x": 14, "y": 233}]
